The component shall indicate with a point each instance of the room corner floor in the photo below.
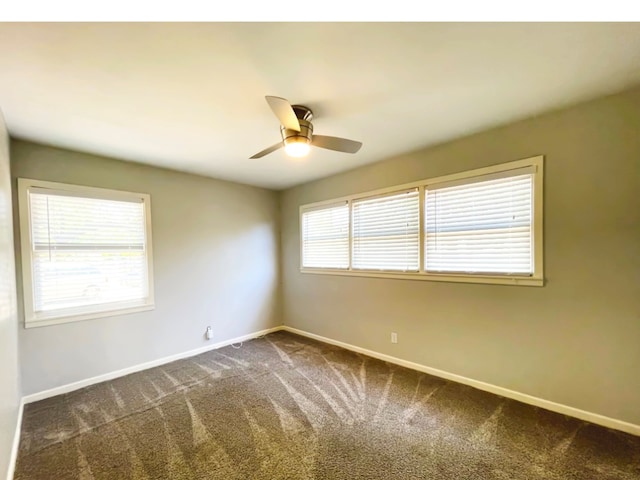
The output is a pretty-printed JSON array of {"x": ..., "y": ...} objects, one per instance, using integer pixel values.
[{"x": 286, "y": 407}]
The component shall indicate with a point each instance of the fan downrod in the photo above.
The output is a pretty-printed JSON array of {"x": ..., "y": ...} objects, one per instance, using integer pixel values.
[{"x": 302, "y": 112}]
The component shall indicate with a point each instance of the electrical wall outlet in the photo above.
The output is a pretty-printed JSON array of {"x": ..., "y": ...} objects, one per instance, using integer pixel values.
[
  {"x": 209, "y": 333},
  {"x": 394, "y": 337}
]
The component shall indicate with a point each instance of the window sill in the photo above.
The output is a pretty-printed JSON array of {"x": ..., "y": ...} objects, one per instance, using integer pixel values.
[
  {"x": 433, "y": 277},
  {"x": 70, "y": 318}
]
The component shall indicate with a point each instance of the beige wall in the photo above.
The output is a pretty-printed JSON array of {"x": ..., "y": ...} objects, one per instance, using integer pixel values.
[
  {"x": 215, "y": 248},
  {"x": 9, "y": 380},
  {"x": 574, "y": 341}
]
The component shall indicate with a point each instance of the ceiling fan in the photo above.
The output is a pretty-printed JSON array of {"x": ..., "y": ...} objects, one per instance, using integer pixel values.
[{"x": 297, "y": 132}]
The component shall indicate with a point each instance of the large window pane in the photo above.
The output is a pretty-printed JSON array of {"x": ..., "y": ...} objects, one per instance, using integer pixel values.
[{"x": 480, "y": 227}]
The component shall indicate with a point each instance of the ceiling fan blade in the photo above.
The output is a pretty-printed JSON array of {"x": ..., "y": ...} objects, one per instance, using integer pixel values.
[
  {"x": 284, "y": 111},
  {"x": 267, "y": 151},
  {"x": 336, "y": 143}
]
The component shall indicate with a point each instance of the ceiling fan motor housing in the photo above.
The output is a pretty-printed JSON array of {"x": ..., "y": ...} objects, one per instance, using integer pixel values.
[{"x": 304, "y": 135}]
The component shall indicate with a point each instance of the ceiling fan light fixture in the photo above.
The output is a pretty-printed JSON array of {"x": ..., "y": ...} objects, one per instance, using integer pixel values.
[
  {"x": 296, "y": 130},
  {"x": 297, "y": 147}
]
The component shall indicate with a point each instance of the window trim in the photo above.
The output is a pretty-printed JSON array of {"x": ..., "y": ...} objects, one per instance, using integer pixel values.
[
  {"x": 535, "y": 279},
  {"x": 68, "y": 315}
]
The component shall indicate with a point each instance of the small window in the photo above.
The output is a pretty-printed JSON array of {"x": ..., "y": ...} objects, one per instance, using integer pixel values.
[
  {"x": 86, "y": 252},
  {"x": 386, "y": 232},
  {"x": 325, "y": 237}
]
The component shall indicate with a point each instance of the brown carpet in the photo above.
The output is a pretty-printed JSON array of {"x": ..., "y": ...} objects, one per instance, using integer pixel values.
[{"x": 286, "y": 407}]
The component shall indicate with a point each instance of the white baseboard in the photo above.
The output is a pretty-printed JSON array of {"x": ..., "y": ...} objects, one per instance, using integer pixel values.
[
  {"x": 13, "y": 457},
  {"x": 487, "y": 387},
  {"x": 70, "y": 387}
]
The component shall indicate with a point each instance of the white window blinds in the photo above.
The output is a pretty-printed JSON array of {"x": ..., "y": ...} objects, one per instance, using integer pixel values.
[
  {"x": 480, "y": 227},
  {"x": 386, "y": 232},
  {"x": 325, "y": 237},
  {"x": 86, "y": 251}
]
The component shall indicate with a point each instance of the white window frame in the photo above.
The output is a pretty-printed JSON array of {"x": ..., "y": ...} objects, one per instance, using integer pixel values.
[
  {"x": 536, "y": 164},
  {"x": 33, "y": 319}
]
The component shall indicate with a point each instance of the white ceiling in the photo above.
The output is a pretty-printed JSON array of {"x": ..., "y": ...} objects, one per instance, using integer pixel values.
[{"x": 190, "y": 96}]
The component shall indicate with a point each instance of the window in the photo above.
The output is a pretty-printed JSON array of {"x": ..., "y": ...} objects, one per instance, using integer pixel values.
[
  {"x": 86, "y": 252},
  {"x": 480, "y": 226},
  {"x": 325, "y": 237},
  {"x": 386, "y": 232}
]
